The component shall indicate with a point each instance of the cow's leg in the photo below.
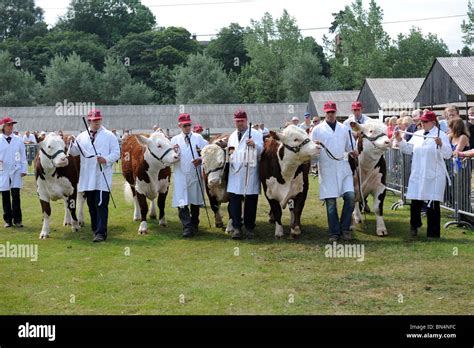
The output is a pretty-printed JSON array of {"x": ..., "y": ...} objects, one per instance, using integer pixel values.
[
  {"x": 276, "y": 209},
  {"x": 71, "y": 204},
  {"x": 379, "y": 198},
  {"x": 161, "y": 207},
  {"x": 296, "y": 211},
  {"x": 67, "y": 214},
  {"x": 141, "y": 199},
  {"x": 136, "y": 205},
  {"x": 46, "y": 209},
  {"x": 80, "y": 208},
  {"x": 215, "y": 207},
  {"x": 229, "y": 228},
  {"x": 152, "y": 210}
]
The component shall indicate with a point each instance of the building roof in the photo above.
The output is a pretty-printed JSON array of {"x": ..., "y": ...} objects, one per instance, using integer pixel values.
[
  {"x": 343, "y": 99},
  {"x": 461, "y": 70}
]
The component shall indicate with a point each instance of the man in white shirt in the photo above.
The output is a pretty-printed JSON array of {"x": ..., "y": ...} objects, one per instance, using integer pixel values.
[
  {"x": 356, "y": 116},
  {"x": 12, "y": 170},
  {"x": 91, "y": 178},
  {"x": 188, "y": 193}
]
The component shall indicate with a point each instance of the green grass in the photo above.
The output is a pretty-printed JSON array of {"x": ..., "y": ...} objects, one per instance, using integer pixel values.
[{"x": 263, "y": 279}]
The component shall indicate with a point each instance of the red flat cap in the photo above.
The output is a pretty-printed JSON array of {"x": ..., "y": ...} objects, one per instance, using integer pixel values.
[{"x": 330, "y": 106}]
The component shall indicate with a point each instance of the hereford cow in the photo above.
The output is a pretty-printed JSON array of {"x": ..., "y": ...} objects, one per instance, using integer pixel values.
[
  {"x": 57, "y": 176},
  {"x": 372, "y": 143},
  {"x": 284, "y": 168},
  {"x": 215, "y": 168},
  {"x": 145, "y": 167}
]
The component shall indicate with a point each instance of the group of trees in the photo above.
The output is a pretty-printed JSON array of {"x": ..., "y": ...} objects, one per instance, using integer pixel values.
[{"x": 113, "y": 52}]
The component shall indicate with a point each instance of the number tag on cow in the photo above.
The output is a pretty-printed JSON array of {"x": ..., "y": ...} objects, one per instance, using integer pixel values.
[{"x": 17, "y": 157}]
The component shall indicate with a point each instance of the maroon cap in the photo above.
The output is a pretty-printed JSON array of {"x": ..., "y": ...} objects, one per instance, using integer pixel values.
[
  {"x": 240, "y": 115},
  {"x": 428, "y": 116},
  {"x": 197, "y": 128},
  {"x": 94, "y": 115},
  {"x": 356, "y": 105},
  {"x": 184, "y": 119},
  {"x": 330, "y": 106},
  {"x": 7, "y": 120}
]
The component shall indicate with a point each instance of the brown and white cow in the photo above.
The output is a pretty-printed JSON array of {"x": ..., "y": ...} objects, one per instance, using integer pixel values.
[
  {"x": 145, "y": 167},
  {"x": 284, "y": 168},
  {"x": 215, "y": 168},
  {"x": 57, "y": 176},
  {"x": 372, "y": 143}
]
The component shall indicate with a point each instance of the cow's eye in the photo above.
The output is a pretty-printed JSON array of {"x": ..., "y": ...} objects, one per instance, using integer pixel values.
[
  {"x": 371, "y": 131},
  {"x": 159, "y": 146},
  {"x": 296, "y": 140},
  {"x": 49, "y": 147}
]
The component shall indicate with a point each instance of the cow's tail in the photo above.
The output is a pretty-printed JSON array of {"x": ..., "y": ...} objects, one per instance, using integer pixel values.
[{"x": 127, "y": 191}]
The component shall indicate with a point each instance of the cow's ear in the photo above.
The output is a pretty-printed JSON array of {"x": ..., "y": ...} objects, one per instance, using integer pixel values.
[
  {"x": 38, "y": 138},
  {"x": 142, "y": 140},
  {"x": 276, "y": 135},
  {"x": 356, "y": 127}
]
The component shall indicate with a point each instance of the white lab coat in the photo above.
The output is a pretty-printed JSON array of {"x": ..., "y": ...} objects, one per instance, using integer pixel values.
[
  {"x": 12, "y": 162},
  {"x": 238, "y": 161},
  {"x": 335, "y": 177},
  {"x": 107, "y": 146},
  {"x": 351, "y": 118},
  {"x": 186, "y": 183},
  {"x": 428, "y": 169}
]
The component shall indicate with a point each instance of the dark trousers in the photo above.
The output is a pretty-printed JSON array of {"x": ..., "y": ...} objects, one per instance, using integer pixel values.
[
  {"x": 250, "y": 210},
  {"x": 99, "y": 213},
  {"x": 189, "y": 218},
  {"x": 12, "y": 208},
  {"x": 433, "y": 215}
]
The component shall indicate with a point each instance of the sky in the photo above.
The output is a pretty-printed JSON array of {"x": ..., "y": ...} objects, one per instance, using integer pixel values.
[{"x": 204, "y": 17}]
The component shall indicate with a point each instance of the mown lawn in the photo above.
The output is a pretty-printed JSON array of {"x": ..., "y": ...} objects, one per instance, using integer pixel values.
[{"x": 212, "y": 274}]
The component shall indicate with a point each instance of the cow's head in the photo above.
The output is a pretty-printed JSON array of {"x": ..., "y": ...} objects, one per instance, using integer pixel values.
[
  {"x": 160, "y": 148},
  {"x": 297, "y": 142},
  {"x": 213, "y": 162},
  {"x": 52, "y": 151},
  {"x": 373, "y": 134}
]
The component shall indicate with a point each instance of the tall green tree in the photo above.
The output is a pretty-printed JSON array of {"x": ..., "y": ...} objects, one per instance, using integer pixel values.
[
  {"x": 21, "y": 20},
  {"x": 413, "y": 55},
  {"x": 71, "y": 79},
  {"x": 468, "y": 26},
  {"x": 360, "y": 45},
  {"x": 111, "y": 20},
  {"x": 229, "y": 48},
  {"x": 17, "y": 87},
  {"x": 203, "y": 81},
  {"x": 112, "y": 80}
]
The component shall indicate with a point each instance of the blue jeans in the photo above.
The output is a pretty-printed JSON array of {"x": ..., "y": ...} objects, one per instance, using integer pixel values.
[{"x": 336, "y": 226}]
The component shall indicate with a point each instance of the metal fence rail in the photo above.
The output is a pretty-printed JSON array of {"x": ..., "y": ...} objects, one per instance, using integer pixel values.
[{"x": 457, "y": 196}]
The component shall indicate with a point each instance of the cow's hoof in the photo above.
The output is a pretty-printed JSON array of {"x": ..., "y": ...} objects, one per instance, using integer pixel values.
[
  {"x": 278, "y": 237},
  {"x": 352, "y": 228},
  {"x": 43, "y": 235},
  {"x": 143, "y": 228},
  {"x": 295, "y": 233},
  {"x": 67, "y": 223},
  {"x": 163, "y": 222},
  {"x": 229, "y": 228},
  {"x": 294, "y": 236},
  {"x": 75, "y": 229},
  {"x": 81, "y": 223},
  {"x": 381, "y": 232},
  {"x": 136, "y": 219},
  {"x": 279, "y": 233},
  {"x": 220, "y": 225}
]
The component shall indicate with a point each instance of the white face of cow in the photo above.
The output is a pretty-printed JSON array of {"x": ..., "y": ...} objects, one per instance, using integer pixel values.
[
  {"x": 374, "y": 135},
  {"x": 213, "y": 159},
  {"x": 297, "y": 142},
  {"x": 52, "y": 151},
  {"x": 160, "y": 146}
]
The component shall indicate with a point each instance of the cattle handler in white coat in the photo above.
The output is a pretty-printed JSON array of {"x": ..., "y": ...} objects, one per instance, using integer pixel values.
[
  {"x": 430, "y": 148},
  {"x": 335, "y": 174},
  {"x": 91, "y": 179},
  {"x": 188, "y": 192},
  {"x": 12, "y": 170},
  {"x": 244, "y": 181}
]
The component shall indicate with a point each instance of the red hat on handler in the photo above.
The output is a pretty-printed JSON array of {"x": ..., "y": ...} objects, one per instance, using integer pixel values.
[
  {"x": 198, "y": 128},
  {"x": 428, "y": 116},
  {"x": 94, "y": 115},
  {"x": 7, "y": 120},
  {"x": 184, "y": 119},
  {"x": 240, "y": 115},
  {"x": 330, "y": 106},
  {"x": 356, "y": 105}
]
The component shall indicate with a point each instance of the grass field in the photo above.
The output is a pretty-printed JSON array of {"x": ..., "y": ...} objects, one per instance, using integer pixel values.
[{"x": 211, "y": 274}]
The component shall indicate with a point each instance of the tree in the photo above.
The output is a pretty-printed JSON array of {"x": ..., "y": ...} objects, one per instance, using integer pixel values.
[
  {"x": 413, "y": 55},
  {"x": 18, "y": 88},
  {"x": 135, "y": 94},
  {"x": 113, "y": 79},
  {"x": 468, "y": 27},
  {"x": 111, "y": 20},
  {"x": 21, "y": 20},
  {"x": 360, "y": 46},
  {"x": 203, "y": 81},
  {"x": 71, "y": 79},
  {"x": 164, "y": 80},
  {"x": 229, "y": 48}
]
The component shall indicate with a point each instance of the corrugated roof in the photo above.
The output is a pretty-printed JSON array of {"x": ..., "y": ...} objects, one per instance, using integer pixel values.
[
  {"x": 461, "y": 70},
  {"x": 394, "y": 92},
  {"x": 343, "y": 99}
]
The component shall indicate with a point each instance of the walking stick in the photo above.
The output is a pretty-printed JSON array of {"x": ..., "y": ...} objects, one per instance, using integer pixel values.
[
  {"x": 100, "y": 165},
  {"x": 247, "y": 164},
  {"x": 359, "y": 179},
  {"x": 200, "y": 183}
]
